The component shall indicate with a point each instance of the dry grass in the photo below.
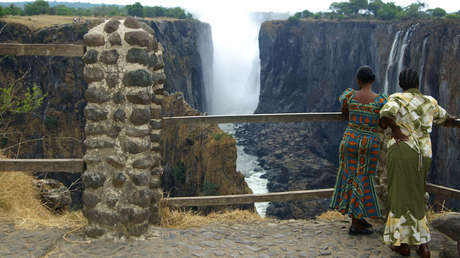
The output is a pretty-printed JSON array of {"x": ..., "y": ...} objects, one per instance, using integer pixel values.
[
  {"x": 332, "y": 216},
  {"x": 185, "y": 219},
  {"x": 41, "y": 21},
  {"x": 20, "y": 204}
]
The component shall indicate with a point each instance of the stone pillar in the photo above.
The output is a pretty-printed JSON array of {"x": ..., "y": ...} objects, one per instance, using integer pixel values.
[{"x": 123, "y": 69}]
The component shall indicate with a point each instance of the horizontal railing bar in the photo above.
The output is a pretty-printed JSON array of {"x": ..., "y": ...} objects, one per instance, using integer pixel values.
[
  {"x": 266, "y": 118},
  {"x": 42, "y": 165},
  {"x": 257, "y": 118},
  {"x": 279, "y": 196},
  {"x": 246, "y": 198},
  {"x": 443, "y": 190},
  {"x": 17, "y": 49}
]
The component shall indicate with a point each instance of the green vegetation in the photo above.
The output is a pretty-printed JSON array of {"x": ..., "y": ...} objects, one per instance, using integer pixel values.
[
  {"x": 209, "y": 189},
  {"x": 179, "y": 173},
  {"x": 219, "y": 136},
  {"x": 43, "y": 7},
  {"x": 376, "y": 9},
  {"x": 12, "y": 103}
]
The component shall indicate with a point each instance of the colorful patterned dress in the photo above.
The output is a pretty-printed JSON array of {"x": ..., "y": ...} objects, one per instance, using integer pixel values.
[{"x": 354, "y": 192}]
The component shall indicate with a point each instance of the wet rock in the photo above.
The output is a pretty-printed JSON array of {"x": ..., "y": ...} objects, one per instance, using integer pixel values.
[
  {"x": 133, "y": 146},
  {"x": 112, "y": 80},
  {"x": 94, "y": 231},
  {"x": 111, "y": 26},
  {"x": 139, "y": 78},
  {"x": 102, "y": 216},
  {"x": 140, "y": 116},
  {"x": 119, "y": 179},
  {"x": 139, "y": 178},
  {"x": 138, "y": 55},
  {"x": 156, "y": 62},
  {"x": 115, "y": 161},
  {"x": 93, "y": 74},
  {"x": 90, "y": 199},
  {"x": 94, "y": 39},
  {"x": 53, "y": 194},
  {"x": 90, "y": 57},
  {"x": 133, "y": 214},
  {"x": 95, "y": 114},
  {"x": 158, "y": 77},
  {"x": 98, "y": 143},
  {"x": 93, "y": 179},
  {"x": 134, "y": 132},
  {"x": 115, "y": 39},
  {"x": 97, "y": 95},
  {"x": 448, "y": 224},
  {"x": 109, "y": 56},
  {"x": 146, "y": 161},
  {"x": 141, "y": 198},
  {"x": 139, "y": 97},
  {"x": 139, "y": 38},
  {"x": 119, "y": 115},
  {"x": 132, "y": 23},
  {"x": 118, "y": 98}
]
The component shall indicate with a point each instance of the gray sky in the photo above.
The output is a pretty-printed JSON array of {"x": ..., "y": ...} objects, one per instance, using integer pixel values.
[{"x": 262, "y": 5}]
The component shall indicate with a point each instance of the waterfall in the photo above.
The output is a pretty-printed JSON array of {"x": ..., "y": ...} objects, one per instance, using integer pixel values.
[
  {"x": 405, "y": 43},
  {"x": 396, "y": 58},
  {"x": 422, "y": 65},
  {"x": 391, "y": 61}
]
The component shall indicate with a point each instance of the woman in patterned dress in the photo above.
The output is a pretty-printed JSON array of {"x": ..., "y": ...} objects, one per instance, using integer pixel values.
[
  {"x": 354, "y": 192},
  {"x": 410, "y": 115}
]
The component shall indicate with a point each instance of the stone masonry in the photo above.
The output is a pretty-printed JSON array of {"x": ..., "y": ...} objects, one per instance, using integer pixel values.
[{"x": 124, "y": 72}]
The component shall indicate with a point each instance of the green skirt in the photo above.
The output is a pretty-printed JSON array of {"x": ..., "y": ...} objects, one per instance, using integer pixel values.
[{"x": 407, "y": 171}]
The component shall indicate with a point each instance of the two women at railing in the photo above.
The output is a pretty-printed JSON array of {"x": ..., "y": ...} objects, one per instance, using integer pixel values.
[{"x": 410, "y": 116}]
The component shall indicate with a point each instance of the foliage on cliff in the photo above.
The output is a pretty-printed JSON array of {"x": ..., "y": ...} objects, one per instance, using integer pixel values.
[
  {"x": 44, "y": 7},
  {"x": 199, "y": 160},
  {"x": 376, "y": 9}
]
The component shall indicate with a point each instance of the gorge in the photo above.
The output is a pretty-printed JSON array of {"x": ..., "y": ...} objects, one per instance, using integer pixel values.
[{"x": 304, "y": 66}]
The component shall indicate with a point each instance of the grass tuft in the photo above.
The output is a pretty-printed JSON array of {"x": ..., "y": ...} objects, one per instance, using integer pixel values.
[
  {"x": 20, "y": 204},
  {"x": 173, "y": 218}
]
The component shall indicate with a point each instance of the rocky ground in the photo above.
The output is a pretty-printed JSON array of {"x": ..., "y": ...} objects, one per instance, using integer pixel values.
[{"x": 268, "y": 238}]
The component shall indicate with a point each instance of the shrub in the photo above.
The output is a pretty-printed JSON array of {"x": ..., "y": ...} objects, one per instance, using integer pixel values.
[
  {"x": 209, "y": 189},
  {"x": 179, "y": 173}
]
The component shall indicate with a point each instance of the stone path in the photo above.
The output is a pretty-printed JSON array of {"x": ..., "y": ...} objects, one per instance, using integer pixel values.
[{"x": 270, "y": 238}]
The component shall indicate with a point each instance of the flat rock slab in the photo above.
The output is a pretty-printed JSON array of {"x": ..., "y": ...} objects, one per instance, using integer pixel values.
[
  {"x": 27, "y": 243},
  {"x": 449, "y": 224},
  {"x": 269, "y": 238}
]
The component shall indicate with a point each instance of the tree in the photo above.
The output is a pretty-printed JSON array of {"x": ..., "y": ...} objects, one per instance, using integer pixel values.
[
  {"x": 12, "y": 10},
  {"x": 37, "y": 7},
  {"x": 436, "y": 12},
  {"x": 358, "y": 5},
  {"x": 374, "y": 6},
  {"x": 63, "y": 10},
  {"x": 413, "y": 11},
  {"x": 388, "y": 11},
  {"x": 135, "y": 10}
]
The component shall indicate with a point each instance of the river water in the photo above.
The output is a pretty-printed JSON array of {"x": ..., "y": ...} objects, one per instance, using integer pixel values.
[{"x": 253, "y": 174}]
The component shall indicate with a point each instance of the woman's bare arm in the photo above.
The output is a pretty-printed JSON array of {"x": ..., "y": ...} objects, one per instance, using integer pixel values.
[
  {"x": 396, "y": 132},
  {"x": 345, "y": 109}
]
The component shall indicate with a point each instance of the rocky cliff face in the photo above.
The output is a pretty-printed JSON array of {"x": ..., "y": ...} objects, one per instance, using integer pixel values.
[
  {"x": 188, "y": 55},
  {"x": 57, "y": 129},
  {"x": 306, "y": 65},
  {"x": 198, "y": 159}
]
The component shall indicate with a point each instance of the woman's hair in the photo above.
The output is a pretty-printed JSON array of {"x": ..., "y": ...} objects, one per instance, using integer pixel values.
[
  {"x": 408, "y": 78},
  {"x": 365, "y": 74}
]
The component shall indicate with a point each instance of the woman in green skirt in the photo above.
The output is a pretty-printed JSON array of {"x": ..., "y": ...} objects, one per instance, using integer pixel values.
[{"x": 410, "y": 115}]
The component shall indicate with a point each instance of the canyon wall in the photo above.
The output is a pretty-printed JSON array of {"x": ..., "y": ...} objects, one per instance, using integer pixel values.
[
  {"x": 56, "y": 130},
  {"x": 305, "y": 65}
]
